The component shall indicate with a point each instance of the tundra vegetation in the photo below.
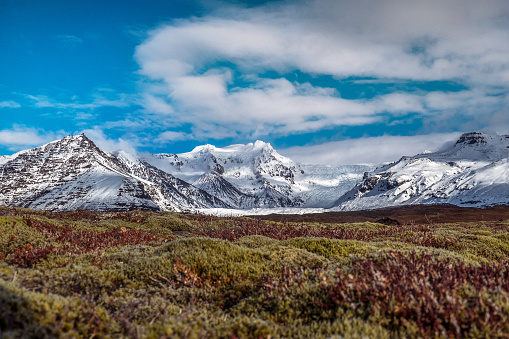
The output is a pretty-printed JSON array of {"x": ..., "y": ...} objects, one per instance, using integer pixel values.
[{"x": 163, "y": 275}]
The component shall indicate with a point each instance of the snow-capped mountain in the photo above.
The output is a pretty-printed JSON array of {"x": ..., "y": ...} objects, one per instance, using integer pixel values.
[
  {"x": 73, "y": 173},
  {"x": 255, "y": 175},
  {"x": 472, "y": 172},
  {"x": 245, "y": 176}
]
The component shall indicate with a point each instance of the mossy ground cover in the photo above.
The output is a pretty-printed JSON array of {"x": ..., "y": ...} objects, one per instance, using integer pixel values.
[{"x": 163, "y": 275}]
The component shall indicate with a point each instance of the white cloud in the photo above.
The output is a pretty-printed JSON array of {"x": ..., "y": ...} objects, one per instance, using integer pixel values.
[
  {"x": 9, "y": 104},
  {"x": 107, "y": 144},
  {"x": 43, "y": 101},
  {"x": 156, "y": 105},
  {"x": 170, "y": 136},
  {"x": 373, "y": 150},
  {"x": 84, "y": 116},
  {"x": 21, "y": 137},
  {"x": 193, "y": 67}
]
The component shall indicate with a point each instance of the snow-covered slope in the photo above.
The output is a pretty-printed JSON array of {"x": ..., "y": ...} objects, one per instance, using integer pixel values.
[
  {"x": 73, "y": 173},
  {"x": 255, "y": 175},
  {"x": 472, "y": 172}
]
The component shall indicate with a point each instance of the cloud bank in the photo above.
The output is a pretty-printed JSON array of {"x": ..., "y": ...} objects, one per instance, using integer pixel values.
[{"x": 236, "y": 71}]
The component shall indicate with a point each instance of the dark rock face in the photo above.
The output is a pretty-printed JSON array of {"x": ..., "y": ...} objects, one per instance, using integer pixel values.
[
  {"x": 219, "y": 169},
  {"x": 472, "y": 138},
  {"x": 382, "y": 182}
]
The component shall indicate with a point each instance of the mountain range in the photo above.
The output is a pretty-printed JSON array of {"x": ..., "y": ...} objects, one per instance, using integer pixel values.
[{"x": 73, "y": 173}]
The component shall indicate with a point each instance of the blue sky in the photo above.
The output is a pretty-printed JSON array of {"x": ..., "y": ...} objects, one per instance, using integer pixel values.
[{"x": 330, "y": 81}]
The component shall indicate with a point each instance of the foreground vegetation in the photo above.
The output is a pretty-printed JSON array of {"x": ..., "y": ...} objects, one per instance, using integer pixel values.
[{"x": 163, "y": 275}]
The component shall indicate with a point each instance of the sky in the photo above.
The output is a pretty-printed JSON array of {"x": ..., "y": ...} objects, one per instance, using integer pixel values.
[{"x": 324, "y": 81}]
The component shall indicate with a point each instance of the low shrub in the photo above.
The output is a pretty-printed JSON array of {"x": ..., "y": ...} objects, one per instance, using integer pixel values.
[{"x": 441, "y": 297}]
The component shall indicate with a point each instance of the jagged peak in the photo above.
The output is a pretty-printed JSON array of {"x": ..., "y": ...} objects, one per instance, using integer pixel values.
[
  {"x": 472, "y": 146},
  {"x": 479, "y": 138},
  {"x": 77, "y": 141},
  {"x": 258, "y": 145},
  {"x": 261, "y": 144},
  {"x": 75, "y": 137}
]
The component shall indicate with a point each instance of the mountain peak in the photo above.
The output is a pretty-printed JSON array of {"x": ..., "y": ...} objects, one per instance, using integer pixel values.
[
  {"x": 78, "y": 142},
  {"x": 80, "y": 136},
  {"x": 472, "y": 138},
  {"x": 259, "y": 144},
  {"x": 474, "y": 146}
]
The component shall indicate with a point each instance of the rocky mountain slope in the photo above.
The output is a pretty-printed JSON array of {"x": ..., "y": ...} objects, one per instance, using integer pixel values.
[
  {"x": 73, "y": 173},
  {"x": 255, "y": 175},
  {"x": 472, "y": 172}
]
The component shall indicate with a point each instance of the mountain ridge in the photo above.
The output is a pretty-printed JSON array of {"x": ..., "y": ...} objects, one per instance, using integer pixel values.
[
  {"x": 260, "y": 176},
  {"x": 474, "y": 171},
  {"x": 73, "y": 173}
]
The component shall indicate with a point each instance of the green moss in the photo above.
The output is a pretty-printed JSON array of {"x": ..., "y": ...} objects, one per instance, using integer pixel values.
[
  {"x": 168, "y": 223},
  {"x": 14, "y": 233},
  {"x": 38, "y": 315},
  {"x": 489, "y": 247},
  {"x": 256, "y": 241},
  {"x": 466, "y": 257},
  {"x": 257, "y": 286},
  {"x": 331, "y": 248},
  {"x": 220, "y": 257}
]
